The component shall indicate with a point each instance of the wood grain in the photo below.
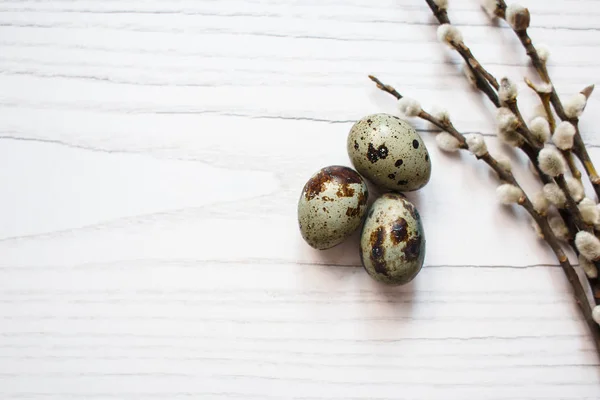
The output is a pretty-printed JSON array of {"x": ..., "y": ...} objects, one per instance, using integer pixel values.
[{"x": 151, "y": 155}]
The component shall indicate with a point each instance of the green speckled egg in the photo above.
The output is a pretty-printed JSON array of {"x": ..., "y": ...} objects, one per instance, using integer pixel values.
[
  {"x": 332, "y": 206},
  {"x": 392, "y": 242},
  {"x": 389, "y": 152}
]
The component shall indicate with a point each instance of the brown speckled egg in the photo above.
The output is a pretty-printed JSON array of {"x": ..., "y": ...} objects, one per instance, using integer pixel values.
[
  {"x": 392, "y": 242},
  {"x": 332, "y": 206},
  {"x": 389, "y": 152}
]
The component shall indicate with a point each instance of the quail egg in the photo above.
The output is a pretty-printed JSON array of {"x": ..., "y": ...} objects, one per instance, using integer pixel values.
[
  {"x": 389, "y": 152},
  {"x": 332, "y": 206},
  {"x": 392, "y": 243}
]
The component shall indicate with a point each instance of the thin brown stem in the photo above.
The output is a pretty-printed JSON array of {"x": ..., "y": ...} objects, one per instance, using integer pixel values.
[
  {"x": 537, "y": 62},
  {"x": 484, "y": 86},
  {"x": 483, "y": 79},
  {"x": 443, "y": 125},
  {"x": 548, "y": 109},
  {"x": 386, "y": 88},
  {"x": 470, "y": 59},
  {"x": 446, "y": 126},
  {"x": 568, "y": 155},
  {"x": 581, "y": 152},
  {"x": 522, "y": 129},
  {"x": 440, "y": 13},
  {"x": 525, "y": 202}
]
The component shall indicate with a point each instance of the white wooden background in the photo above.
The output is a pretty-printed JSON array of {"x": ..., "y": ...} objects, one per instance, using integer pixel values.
[{"x": 151, "y": 157}]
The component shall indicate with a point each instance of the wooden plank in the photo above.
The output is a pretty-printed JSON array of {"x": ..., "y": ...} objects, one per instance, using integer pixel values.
[{"x": 151, "y": 156}]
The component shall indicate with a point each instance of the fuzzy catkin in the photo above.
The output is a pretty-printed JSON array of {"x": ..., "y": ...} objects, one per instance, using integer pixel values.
[
  {"x": 551, "y": 162},
  {"x": 542, "y": 87},
  {"x": 476, "y": 144},
  {"x": 540, "y": 129},
  {"x": 564, "y": 135},
  {"x": 543, "y": 52},
  {"x": 507, "y": 125},
  {"x": 449, "y": 34},
  {"x": 588, "y": 267},
  {"x": 559, "y": 228},
  {"x": 554, "y": 195},
  {"x": 540, "y": 202},
  {"x": 508, "y": 90},
  {"x": 517, "y": 17},
  {"x": 409, "y": 107},
  {"x": 506, "y": 120},
  {"x": 575, "y": 188},
  {"x": 504, "y": 162},
  {"x": 575, "y": 105},
  {"x": 588, "y": 245},
  {"x": 447, "y": 142},
  {"x": 589, "y": 211},
  {"x": 441, "y": 114},
  {"x": 508, "y": 194}
]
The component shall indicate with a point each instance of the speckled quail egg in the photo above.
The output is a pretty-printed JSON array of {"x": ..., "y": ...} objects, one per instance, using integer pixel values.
[
  {"x": 389, "y": 152},
  {"x": 392, "y": 242},
  {"x": 332, "y": 206}
]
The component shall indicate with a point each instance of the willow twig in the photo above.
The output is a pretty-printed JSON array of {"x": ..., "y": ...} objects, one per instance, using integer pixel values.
[
  {"x": 442, "y": 16},
  {"x": 540, "y": 66},
  {"x": 483, "y": 79},
  {"x": 571, "y": 216},
  {"x": 524, "y": 201},
  {"x": 481, "y": 74},
  {"x": 530, "y": 146}
]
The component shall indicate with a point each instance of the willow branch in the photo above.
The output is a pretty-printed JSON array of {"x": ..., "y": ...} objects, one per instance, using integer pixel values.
[
  {"x": 572, "y": 216},
  {"x": 484, "y": 86},
  {"x": 481, "y": 74},
  {"x": 461, "y": 48},
  {"x": 540, "y": 66},
  {"x": 470, "y": 59},
  {"x": 483, "y": 79},
  {"x": 526, "y": 203},
  {"x": 530, "y": 146}
]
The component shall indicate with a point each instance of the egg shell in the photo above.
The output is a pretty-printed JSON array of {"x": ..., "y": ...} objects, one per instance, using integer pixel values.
[
  {"x": 332, "y": 206},
  {"x": 389, "y": 152},
  {"x": 392, "y": 243}
]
